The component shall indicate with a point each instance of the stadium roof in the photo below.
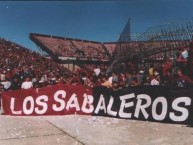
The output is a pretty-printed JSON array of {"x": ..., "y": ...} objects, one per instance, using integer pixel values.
[{"x": 74, "y": 48}]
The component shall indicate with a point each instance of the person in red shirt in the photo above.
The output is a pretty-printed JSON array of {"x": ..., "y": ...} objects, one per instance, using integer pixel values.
[
  {"x": 190, "y": 60},
  {"x": 61, "y": 80},
  {"x": 181, "y": 61},
  {"x": 166, "y": 66},
  {"x": 74, "y": 80},
  {"x": 168, "y": 78}
]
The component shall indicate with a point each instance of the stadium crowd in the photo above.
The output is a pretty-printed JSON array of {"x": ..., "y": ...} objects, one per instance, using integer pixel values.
[
  {"x": 19, "y": 64},
  {"x": 21, "y": 68}
]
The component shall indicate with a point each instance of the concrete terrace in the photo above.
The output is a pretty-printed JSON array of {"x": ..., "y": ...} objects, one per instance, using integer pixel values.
[{"x": 90, "y": 130}]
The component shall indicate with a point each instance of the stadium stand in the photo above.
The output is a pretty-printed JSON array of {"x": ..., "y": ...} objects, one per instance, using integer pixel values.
[
  {"x": 68, "y": 47},
  {"x": 59, "y": 47},
  {"x": 110, "y": 47},
  {"x": 123, "y": 63},
  {"x": 18, "y": 62}
]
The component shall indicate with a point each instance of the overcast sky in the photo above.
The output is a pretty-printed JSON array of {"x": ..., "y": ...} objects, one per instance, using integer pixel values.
[{"x": 101, "y": 21}]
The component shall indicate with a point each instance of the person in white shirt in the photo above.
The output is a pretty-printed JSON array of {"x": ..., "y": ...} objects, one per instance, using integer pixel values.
[
  {"x": 155, "y": 80},
  {"x": 27, "y": 84},
  {"x": 6, "y": 83},
  {"x": 113, "y": 78},
  {"x": 97, "y": 71},
  {"x": 2, "y": 77},
  {"x": 110, "y": 79}
]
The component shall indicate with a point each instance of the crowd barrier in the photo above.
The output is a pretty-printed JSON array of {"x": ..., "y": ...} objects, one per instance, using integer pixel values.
[{"x": 148, "y": 103}]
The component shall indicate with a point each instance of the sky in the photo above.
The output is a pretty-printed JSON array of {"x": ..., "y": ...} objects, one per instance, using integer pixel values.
[{"x": 101, "y": 21}]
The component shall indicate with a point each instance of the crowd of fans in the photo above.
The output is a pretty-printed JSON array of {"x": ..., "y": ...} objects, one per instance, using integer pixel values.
[
  {"x": 59, "y": 47},
  {"x": 156, "y": 47},
  {"x": 91, "y": 49},
  {"x": 179, "y": 74},
  {"x": 19, "y": 64},
  {"x": 21, "y": 68}
]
